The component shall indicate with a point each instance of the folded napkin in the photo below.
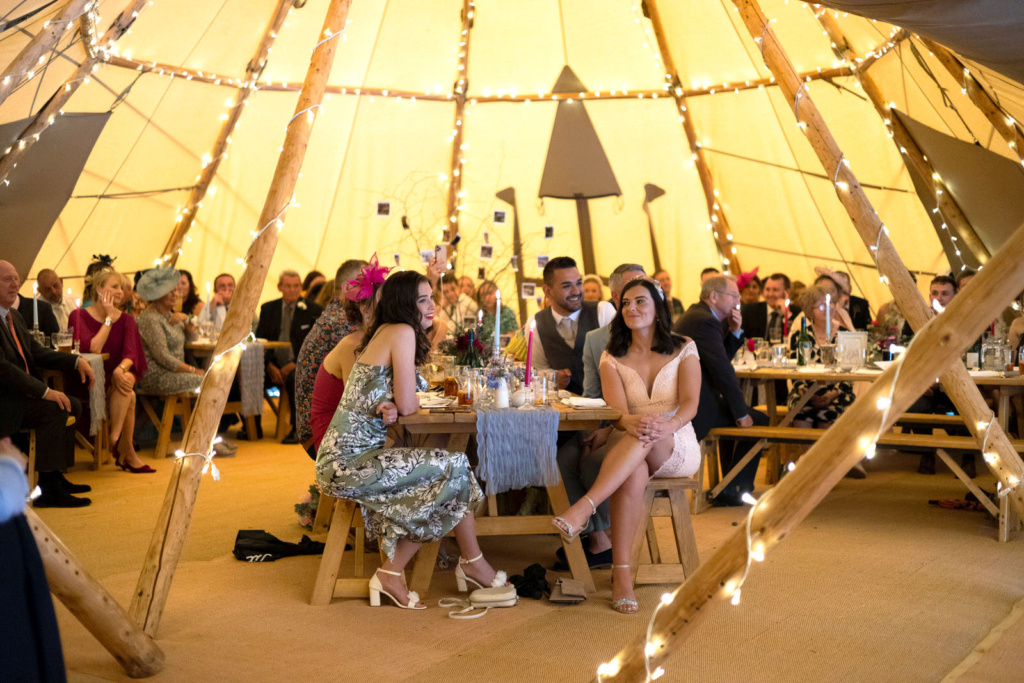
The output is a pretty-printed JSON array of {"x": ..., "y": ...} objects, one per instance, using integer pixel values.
[
  {"x": 580, "y": 402},
  {"x": 986, "y": 373},
  {"x": 435, "y": 402},
  {"x": 814, "y": 367},
  {"x": 745, "y": 367}
]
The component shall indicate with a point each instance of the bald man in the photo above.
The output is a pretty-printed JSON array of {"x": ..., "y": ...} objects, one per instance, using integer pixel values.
[
  {"x": 51, "y": 289},
  {"x": 26, "y": 402}
]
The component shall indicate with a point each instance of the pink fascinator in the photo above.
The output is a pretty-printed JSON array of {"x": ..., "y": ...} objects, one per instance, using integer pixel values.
[
  {"x": 744, "y": 278},
  {"x": 371, "y": 275}
]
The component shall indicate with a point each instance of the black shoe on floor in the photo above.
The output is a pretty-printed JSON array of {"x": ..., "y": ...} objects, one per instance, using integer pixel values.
[
  {"x": 290, "y": 439},
  {"x": 967, "y": 465},
  {"x": 600, "y": 560},
  {"x": 73, "y": 488},
  {"x": 927, "y": 464},
  {"x": 61, "y": 499}
]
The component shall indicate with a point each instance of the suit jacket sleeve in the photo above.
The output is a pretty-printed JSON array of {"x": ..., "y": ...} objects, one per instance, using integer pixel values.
[
  {"x": 302, "y": 324},
  {"x": 714, "y": 356},
  {"x": 591, "y": 367},
  {"x": 264, "y": 329}
]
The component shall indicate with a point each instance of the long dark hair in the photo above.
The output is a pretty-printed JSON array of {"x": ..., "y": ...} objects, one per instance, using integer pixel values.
[
  {"x": 665, "y": 341},
  {"x": 189, "y": 304},
  {"x": 397, "y": 306}
]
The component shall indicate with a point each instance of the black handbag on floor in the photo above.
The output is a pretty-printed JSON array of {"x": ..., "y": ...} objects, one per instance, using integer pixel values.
[{"x": 252, "y": 545}]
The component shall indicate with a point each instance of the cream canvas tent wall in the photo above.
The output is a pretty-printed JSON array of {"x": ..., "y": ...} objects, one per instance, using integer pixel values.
[{"x": 387, "y": 130}]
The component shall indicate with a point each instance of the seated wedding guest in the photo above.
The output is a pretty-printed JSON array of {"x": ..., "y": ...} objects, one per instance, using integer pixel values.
[
  {"x": 964, "y": 277},
  {"x": 709, "y": 273},
  {"x": 163, "y": 337},
  {"x": 324, "y": 294},
  {"x": 127, "y": 293},
  {"x": 750, "y": 287},
  {"x": 102, "y": 327},
  {"x": 562, "y": 327},
  {"x": 362, "y": 293},
  {"x": 457, "y": 311},
  {"x": 312, "y": 279},
  {"x": 286, "y": 319},
  {"x": 796, "y": 287},
  {"x": 766, "y": 319},
  {"x": 597, "y": 340},
  {"x": 834, "y": 290},
  {"x": 138, "y": 305},
  {"x": 51, "y": 288},
  {"x": 721, "y": 399},
  {"x": 99, "y": 262},
  {"x": 409, "y": 496},
  {"x": 27, "y": 403},
  {"x": 216, "y": 310},
  {"x": 27, "y": 306},
  {"x": 652, "y": 377},
  {"x": 593, "y": 288},
  {"x": 467, "y": 287},
  {"x": 487, "y": 302},
  {"x": 1016, "y": 334},
  {"x": 829, "y": 402},
  {"x": 189, "y": 302},
  {"x": 333, "y": 325},
  {"x": 31, "y": 648},
  {"x": 858, "y": 308},
  {"x": 665, "y": 280}
]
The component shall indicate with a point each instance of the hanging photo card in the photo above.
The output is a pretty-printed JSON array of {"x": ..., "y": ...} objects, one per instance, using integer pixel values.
[
  {"x": 426, "y": 255},
  {"x": 499, "y": 217},
  {"x": 481, "y": 273},
  {"x": 514, "y": 262},
  {"x": 486, "y": 252},
  {"x": 549, "y": 232},
  {"x": 384, "y": 209},
  {"x": 542, "y": 261},
  {"x": 487, "y": 237},
  {"x": 529, "y": 290},
  {"x": 398, "y": 259}
]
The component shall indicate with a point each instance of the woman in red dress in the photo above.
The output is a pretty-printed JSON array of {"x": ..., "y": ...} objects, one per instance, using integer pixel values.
[{"x": 102, "y": 327}]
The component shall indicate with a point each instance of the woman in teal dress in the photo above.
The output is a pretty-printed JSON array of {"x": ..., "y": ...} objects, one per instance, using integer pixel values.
[
  {"x": 488, "y": 303},
  {"x": 408, "y": 496}
]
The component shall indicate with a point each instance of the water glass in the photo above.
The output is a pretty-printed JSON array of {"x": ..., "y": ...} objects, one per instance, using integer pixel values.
[
  {"x": 780, "y": 354},
  {"x": 828, "y": 355},
  {"x": 206, "y": 328},
  {"x": 762, "y": 350}
]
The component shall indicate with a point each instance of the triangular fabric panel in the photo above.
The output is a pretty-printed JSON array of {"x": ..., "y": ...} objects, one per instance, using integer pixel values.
[
  {"x": 42, "y": 183},
  {"x": 988, "y": 187},
  {"x": 576, "y": 165}
]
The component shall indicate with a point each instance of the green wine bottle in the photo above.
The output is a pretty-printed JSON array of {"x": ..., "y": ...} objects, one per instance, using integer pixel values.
[{"x": 803, "y": 345}]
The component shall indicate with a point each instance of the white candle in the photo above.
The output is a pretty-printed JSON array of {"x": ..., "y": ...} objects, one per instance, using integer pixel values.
[
  {"x": 497, "y": 322},
  {"x": 208, "y": 288},
  {"x": 35, "y": 304},
  {"x": 828, "y": 317}
]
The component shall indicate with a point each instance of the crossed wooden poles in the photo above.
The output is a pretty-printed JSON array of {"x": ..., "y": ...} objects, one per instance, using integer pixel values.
[{"x": 938, "y": 343}]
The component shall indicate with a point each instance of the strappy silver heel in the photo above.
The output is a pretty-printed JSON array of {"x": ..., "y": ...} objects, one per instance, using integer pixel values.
[
  {"x": 624, "y": 605},
  {"x": 565, "y": 528}
]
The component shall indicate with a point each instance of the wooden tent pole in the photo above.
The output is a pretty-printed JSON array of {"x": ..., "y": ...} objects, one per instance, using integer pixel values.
[
  {"x": 824, "y": 465},
  {"x": 459, "y": 122},
  {"x": 955, "y": 379},
  {"x": 719, "y": 224},
  {"x": 1006, "y": 126},
  {"x": 92, "y": 605},
  {"x": 211, "y": 163},
  {"x": 916, "y": 159},
  {"x": 172, "y": 525},
  {"x": 32, "y": 55},
  {"x": 53, "y": 108},
  {"x": 87, "y": 31}
]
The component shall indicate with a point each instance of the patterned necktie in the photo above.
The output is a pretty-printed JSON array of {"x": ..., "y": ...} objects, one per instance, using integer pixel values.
[
  {"x": 17, "y": 342},
  {"x": 566, "y": 328}
]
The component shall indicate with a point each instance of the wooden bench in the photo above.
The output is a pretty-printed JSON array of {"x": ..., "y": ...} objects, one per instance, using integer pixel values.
[
  {"x": 175, "y": 404},
  {"x": 671, "y": 503},
  {"x": 938, "y": 443}
]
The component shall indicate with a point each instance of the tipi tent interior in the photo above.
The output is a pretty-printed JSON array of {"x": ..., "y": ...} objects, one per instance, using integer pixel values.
[{"x": 665, "y": 143}]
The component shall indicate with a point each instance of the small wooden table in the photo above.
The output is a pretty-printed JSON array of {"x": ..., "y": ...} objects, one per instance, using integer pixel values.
[
  {"x": 205, "y": 348},
  {"x": 458, "y": 426}
]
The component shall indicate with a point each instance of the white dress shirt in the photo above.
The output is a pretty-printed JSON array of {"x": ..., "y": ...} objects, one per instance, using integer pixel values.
[
  {"x": 605, "y": 314},
  {"x": 456, "y": 315}
]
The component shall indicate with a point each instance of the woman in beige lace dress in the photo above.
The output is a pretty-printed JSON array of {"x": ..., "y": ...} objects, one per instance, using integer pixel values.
[{"x": 652, "y": 377}]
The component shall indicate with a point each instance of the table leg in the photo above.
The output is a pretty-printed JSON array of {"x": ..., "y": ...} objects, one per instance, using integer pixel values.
[
  {"x": 775, "y": 450},
  {"x": 1003, "y": 408},
  {"x": 574, "y": 550}
]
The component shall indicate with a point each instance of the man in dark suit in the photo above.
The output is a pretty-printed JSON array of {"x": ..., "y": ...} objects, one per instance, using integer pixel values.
[
  {"x": 858, "y": 308},
  {"x": 714, "y": 324},
  {"x": 286, "y": 319},
  {"x": 27, "y": 403},
  {"x": 47, "y": 320},
  {"x": 766, "y": 319}
]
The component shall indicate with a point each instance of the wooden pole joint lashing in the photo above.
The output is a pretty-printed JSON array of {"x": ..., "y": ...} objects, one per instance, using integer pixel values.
[{"x": 172, "y": 525}]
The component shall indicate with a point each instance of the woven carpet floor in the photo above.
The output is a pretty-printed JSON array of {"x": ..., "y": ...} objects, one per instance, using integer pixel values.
[{"x": 876, "y": 585}]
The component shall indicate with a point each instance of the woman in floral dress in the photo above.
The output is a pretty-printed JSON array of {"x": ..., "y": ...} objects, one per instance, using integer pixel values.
[{"x": 408, "y": 496}]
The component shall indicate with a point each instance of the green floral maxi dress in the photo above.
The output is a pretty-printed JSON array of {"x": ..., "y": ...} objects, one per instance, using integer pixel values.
[{"x": 415, "y": 493}]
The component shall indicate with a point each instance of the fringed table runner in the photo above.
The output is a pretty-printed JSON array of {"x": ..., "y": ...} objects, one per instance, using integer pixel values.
[
  {"x": 250, "y": 378},
  {"x": 516, "y": 448},
  {"x": 98, "y": 393}
]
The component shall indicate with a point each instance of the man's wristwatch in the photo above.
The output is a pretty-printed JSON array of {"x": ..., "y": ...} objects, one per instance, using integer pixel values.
[{"x": 108, "y": 322}]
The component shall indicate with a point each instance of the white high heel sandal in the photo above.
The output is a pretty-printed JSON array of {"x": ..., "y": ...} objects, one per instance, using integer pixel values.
[
  {"x": 376, "y": 590},
  {"x": 565, "y": 528},
  {"x": 500, "y": 578}
]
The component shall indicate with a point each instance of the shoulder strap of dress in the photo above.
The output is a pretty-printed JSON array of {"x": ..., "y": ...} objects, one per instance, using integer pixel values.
[{"x": 689, "y": 349}]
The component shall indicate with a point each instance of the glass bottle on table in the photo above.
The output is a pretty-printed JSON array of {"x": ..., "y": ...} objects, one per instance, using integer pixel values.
[{"x": 803, "y": 345}]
